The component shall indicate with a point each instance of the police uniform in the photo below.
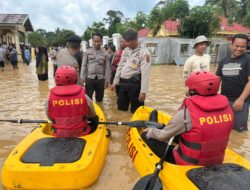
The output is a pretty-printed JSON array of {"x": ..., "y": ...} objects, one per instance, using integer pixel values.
[
  {"x": 64, "y": 58},
  {"x": 95, "y": 72},
  {"x": 132, "y": 75}
]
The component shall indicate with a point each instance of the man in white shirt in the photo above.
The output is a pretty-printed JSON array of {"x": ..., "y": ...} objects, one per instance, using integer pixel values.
[{"x": 199, "y": 61}]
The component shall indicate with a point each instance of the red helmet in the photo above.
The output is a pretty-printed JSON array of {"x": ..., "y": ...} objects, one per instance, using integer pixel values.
[
  {"x": 65, "y": 75},
  {"x": 203, "y": 82}
]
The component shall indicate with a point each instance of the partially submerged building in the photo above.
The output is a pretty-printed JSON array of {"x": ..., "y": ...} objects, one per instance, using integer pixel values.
[
  {"x": 167, "y": 47},
  {"x": 14, "y": 29},
  {"x": 177, "y": 50}
]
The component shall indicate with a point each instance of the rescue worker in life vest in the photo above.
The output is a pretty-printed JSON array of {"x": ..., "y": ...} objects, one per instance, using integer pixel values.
[
  {"x": 204, "y": 123},
  {"x": 68, "y": 106}
]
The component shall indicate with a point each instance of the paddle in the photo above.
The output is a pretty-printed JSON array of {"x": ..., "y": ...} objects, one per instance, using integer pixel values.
[
  {"x": 21, "y": 121},
  {"x": 137, "y": 124},
  {"x": 152, "y": 181}
]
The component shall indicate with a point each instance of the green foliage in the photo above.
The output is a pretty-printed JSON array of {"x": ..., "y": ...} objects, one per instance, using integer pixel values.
[
  {"x": 155, "y": 20},
  {"x": 125, "y": 25},
  {"x": 201, "y": 21},
  {"x": 231, "y": 9},
  {"x": 114, "y": 18},
  {"x": 116, "y": 24},
  {"x": 140, "y": 21},
  {"x": 36, "y": 39},
  {"x": 97, "y": 27},
  {"x": 42, "y": 38},
  {"x": 230, "y": 21},
  {"x": 246, "y": 20},
  {"x": 176, "y": 9},
  {"x": 164, "y": 10}
]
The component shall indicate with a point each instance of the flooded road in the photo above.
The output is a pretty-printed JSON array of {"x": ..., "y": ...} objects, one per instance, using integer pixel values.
[{"x": 22, "y": 96}]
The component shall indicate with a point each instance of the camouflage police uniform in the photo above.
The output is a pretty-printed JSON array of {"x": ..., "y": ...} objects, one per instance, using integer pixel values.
[
  {"x": 95, "y": 72},
  {"x": 132, "y": 75}
]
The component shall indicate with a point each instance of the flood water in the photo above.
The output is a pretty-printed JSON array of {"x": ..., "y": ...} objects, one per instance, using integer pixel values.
[{"x": 22, "y": 96}]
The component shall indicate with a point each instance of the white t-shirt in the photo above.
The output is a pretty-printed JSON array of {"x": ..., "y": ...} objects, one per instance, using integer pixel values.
[{"x": 196, "y": 63}]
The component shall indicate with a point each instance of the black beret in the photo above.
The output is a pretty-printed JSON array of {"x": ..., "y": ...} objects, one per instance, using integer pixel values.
[{"x": 74, "y": 39}]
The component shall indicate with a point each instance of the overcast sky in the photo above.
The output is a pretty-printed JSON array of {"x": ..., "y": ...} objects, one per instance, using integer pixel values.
[{"x": 75, "y": 14}]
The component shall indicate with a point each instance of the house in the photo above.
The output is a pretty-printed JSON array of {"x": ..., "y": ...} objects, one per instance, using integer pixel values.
[
  {"x": 174, "y": 49},
  {"x": 235, "y": 28},
  {"x": 14, "y": 29},
  {"x": 169, "y": 28},
  {"x": 177, "y": 50}
]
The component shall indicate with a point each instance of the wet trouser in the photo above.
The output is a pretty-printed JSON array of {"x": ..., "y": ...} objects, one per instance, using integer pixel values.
[
  {"x": 129, "y": 92},
  {"x": 54, "y": 69},
  {"x": 241, "y": 117},
  {"x": 2, "y": 64},
  {"x": 111, "y": 82},
  {"x": 97, "y": 86},
  {"x": 159, "y": 148}
]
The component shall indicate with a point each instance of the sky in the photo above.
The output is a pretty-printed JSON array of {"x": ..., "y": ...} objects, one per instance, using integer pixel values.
[{"x": 75, "y": 14}]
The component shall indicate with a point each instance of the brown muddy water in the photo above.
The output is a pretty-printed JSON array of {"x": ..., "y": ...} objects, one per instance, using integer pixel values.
[{"x": 23, "y": 96}]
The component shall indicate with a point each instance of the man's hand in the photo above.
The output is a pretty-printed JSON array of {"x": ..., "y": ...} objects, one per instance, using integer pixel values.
[
  {"x": 238, "y": 104},
  {"x": 83, "y": 82},
  {"x": 142, "y": 97},
  {"x": 106, "y": 85},
  {"x": 146, "y": 130},
  {"x": 112, "y": 87}
]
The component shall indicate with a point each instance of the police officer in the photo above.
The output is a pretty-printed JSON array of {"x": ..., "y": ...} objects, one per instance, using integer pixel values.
[
  {"x": 204, "y": 123},
  {"x": 132, "y": 74},
  {"x": 68, "y": 107},
  {"x": 66, "y": 56},
  {"x": 95, "y": 71}
]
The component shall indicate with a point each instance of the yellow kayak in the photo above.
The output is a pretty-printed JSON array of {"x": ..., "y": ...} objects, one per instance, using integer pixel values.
[
  {"x": 41, "y": 161},
  {"x": 173, "y": 177}
]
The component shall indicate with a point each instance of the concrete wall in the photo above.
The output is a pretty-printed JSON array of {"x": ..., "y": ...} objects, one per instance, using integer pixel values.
[{"x": 168, "y": 50}]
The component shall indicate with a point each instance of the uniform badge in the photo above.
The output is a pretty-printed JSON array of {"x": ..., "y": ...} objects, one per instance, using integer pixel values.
[
  {"x": 138, "y": 54},
  {"x": 134, "y": 64}
]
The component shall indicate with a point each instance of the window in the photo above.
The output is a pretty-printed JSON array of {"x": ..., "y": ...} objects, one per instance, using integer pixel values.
[
  {"x": 152, "y": 48},
  {"x": 184, "y": 49},
  {"x": 213, "y": 48}
]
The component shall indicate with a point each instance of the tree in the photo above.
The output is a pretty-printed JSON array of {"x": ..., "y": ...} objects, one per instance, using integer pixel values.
[
  {"x": 141, "y": 20},
  {"x": 63, "y": 35},
  {"x": 176, "y": 9},
  {"x": 97, "y": 27},
  {"x": 155, "y": 20},
  {"x": 42, "y": 38},
  {"x": 244, "y": 8},
  {"x": 201, "y": 21},
  {"x": 227, "y": 7},
  {"x": 164, "y": 10},
  {"x": 246, "y": 20},
  {"x": 37, "y": 38},
  {"x": 126, "y": 24},
  {"x": 114, "y": 18}
]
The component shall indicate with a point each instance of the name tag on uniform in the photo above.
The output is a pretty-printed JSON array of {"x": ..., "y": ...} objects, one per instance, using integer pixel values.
[{"x": 134, "y": 64}]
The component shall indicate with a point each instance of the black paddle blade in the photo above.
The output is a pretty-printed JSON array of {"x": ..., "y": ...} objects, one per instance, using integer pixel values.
[
  {"x": 149, "y": 182},
  {"x": 146, "y": 124}
]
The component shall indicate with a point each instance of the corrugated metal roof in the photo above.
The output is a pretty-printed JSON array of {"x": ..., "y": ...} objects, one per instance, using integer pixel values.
[{"x": 16, "y": 19}]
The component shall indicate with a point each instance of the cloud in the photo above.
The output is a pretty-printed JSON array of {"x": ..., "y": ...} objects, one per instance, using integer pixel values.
[{"x": 75, "y": 14}]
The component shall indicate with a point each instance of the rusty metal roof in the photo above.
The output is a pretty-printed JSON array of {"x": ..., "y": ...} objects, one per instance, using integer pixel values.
[{"x": 16, "y": 19}]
